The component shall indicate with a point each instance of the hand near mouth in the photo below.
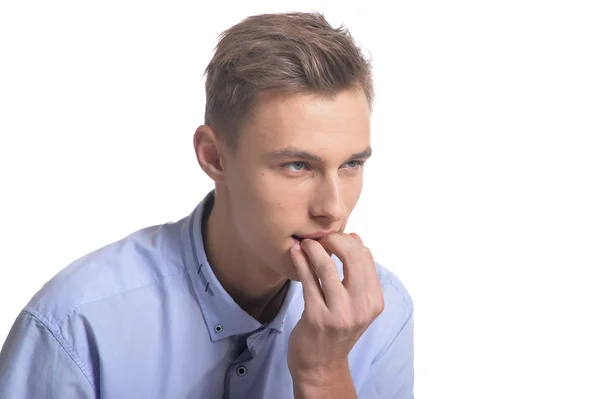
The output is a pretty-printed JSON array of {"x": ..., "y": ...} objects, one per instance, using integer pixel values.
[{"x": 336, "y": 313}]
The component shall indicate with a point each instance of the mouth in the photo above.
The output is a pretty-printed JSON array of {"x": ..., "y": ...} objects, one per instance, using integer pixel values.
[{"x": 300, "y": 239}]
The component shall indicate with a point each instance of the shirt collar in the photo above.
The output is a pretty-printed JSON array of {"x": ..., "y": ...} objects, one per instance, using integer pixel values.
[{"x": 222, "y": 315}]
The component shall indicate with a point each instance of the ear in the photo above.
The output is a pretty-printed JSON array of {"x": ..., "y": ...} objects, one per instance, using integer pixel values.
[{"x": 208, "y": 153}]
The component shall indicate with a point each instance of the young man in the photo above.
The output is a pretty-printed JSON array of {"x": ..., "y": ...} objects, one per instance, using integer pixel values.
[{"x": 258, "y": 293}]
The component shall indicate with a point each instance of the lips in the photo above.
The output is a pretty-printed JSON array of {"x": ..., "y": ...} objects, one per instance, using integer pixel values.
[
  {"x": 314, "y": 236},
  {"x": 299, "y": 238}
]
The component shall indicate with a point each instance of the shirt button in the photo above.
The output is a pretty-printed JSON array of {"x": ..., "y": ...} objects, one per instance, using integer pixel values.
[
  {"x": 241, "y": 371},
  {"x": 218, "y": 328}
]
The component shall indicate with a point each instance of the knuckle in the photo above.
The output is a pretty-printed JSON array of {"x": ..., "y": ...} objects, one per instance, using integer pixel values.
[
  {"x": 377, "y": 302},
  {"x": 379, "y": 306},
  {"x": 372, "y": 307},
  {"x": 344, "y": 323},
  {"x": 356, "y": 254},
  {"x": 325, "y": 268},
  {"x": 362, "y": 319},
  {"x": 359, "y": 253},
  {"x": 313, "y": 320}
]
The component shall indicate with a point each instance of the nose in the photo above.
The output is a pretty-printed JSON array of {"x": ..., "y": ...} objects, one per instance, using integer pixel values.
[{"x": 328, "y": 201}]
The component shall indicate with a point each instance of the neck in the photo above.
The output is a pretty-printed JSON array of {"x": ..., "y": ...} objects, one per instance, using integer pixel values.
[{"x": 255, "y": 287}]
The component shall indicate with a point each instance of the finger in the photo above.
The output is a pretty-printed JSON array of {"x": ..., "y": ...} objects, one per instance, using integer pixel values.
[
  {"x": 359, "y": 267},
  {"x": 346, "y": 248},
  {"x": 325, "y": 269},
  {"x": 311, "y": 288},
  {"x": 356, "y": 237}
]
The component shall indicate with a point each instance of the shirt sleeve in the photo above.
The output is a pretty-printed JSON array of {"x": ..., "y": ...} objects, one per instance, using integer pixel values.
[
  {"x": 391, "y": 375},
  {"x": 34, "y": 364}
]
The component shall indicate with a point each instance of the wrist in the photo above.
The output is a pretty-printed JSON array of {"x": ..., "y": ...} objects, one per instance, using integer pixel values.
[
  {"x": 317, "y": 372},
  {"x": 322, "y": 382}
]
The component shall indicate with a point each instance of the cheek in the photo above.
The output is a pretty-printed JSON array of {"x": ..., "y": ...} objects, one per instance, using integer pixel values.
[
  {"x": 352, "y": 193},
  {"x": 265, "y": 212},
  {"x": 265, "y": 215}
]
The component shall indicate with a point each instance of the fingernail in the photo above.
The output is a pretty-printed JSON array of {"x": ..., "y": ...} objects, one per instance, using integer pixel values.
[{"x": 296, "y": 246}]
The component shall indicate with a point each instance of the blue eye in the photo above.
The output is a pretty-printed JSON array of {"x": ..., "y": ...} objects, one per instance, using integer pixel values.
[
  {"x": 300, "y": 166},
  {"x": 296, "y": 164},
  {"x": 357, "y": 163}
]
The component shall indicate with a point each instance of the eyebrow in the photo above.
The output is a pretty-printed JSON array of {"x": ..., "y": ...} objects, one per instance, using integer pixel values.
[{"x": 298, "y": 153}]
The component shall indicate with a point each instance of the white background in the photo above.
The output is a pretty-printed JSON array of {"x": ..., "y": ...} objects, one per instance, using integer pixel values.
[{"x": 482, "y": 196}]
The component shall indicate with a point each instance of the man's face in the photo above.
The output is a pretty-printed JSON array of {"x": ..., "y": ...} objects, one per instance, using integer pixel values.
[{"x": 276, "y": 192}]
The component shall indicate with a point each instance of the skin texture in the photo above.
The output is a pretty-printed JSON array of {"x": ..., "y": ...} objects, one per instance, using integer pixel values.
[
  {"x": 261, "y": 200},
  {"x": 336, "y": 313}
]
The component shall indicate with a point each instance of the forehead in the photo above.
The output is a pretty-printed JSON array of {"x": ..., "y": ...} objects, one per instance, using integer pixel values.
[{"x": 321, "y": 124}]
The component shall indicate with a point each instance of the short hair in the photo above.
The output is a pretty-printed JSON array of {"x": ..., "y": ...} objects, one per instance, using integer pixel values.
[{"x": 286, "y": 53}]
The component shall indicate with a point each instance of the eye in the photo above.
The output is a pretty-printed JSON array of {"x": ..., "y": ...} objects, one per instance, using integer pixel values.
[
  {"x": 357, "y": 163},
  {"x": 300, "y": 166},
  {"x": 295, "y": 166}
]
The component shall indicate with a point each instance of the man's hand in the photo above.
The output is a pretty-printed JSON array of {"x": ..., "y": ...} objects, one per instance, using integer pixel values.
[{"x": 336, "y": 313}]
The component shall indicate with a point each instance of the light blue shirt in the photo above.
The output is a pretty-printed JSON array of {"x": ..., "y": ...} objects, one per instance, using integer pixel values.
[{"x": 145, "y": 317}]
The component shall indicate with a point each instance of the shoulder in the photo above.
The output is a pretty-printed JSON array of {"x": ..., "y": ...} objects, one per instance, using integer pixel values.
[
  {"x": 389, "y": 338},
  {"x": 394, "y": 327},
  {"x": 138, "y": 260},
  {"x": 394, "y": 291}
]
